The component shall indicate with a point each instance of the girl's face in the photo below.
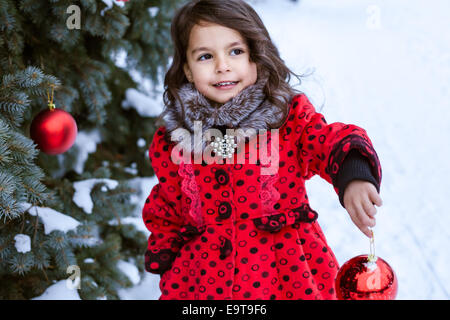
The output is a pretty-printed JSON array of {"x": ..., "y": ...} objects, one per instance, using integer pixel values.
[{"x": 218, "y": 62}]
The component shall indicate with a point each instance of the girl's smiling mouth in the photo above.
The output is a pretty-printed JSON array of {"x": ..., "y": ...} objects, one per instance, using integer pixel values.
[{"x": 225, "y": 84}]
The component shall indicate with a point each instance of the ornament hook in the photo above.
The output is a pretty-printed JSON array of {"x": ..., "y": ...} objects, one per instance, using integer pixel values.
[
  {"x": 50, "y": 104},
  {"x": 372, "y": 257}
]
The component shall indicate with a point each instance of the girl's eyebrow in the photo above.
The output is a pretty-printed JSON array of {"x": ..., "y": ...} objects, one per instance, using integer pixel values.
[{"x": 236, "y": 43}]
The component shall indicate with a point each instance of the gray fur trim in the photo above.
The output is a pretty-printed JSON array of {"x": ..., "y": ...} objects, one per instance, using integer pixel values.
[{"x": 248, "y": 110}]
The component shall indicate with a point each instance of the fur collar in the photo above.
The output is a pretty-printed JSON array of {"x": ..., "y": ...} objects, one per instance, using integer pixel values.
[{"x": 248, "y": 110}]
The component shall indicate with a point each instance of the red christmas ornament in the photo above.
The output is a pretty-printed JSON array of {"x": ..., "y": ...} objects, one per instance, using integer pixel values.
[
  {"x": 366, "y": 277},
  {"x": 361, "y": 279},
  {"x": 54, "y": 131}
]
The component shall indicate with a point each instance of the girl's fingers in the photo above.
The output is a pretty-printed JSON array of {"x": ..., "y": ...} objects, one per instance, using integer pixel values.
[
  {"x": 369, "y": 208},
  {"x": 354, "y": 216},
  {"x": 375, "y": 198},
  {"x": 362, "y": 209},
  {"x": 367, "y": 232},
  {"x": 364, "y": 221}
]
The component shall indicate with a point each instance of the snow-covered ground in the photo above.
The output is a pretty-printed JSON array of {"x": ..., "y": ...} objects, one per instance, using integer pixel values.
[{"x": 385, "y": 66}]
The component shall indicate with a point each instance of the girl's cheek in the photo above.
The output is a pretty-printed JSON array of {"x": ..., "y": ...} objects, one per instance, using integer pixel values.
[
  {"x": 203, "y": 90},
  {"x": 253, "y": 76}
]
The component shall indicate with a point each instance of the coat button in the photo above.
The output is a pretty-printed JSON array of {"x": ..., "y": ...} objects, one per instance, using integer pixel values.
[
  {"x": 222, "y": 177},
  {"x": 224, "y": 210}
]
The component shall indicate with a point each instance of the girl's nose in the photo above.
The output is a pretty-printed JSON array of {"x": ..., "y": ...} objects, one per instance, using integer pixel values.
[{"x": 222, "y": 65}]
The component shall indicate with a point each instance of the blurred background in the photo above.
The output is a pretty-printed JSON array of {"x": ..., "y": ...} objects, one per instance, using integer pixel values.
[{"x": 382, "y": 65}]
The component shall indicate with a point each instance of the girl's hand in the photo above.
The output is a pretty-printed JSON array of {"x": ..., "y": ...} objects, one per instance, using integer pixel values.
[{"x": 359, "y": 199}]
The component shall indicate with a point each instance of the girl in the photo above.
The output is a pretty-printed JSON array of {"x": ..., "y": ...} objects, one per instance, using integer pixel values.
[{"x": 225, "y": 230}]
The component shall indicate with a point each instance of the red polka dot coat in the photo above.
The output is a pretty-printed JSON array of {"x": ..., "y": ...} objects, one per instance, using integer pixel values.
[{"x": 255, "y": 236}]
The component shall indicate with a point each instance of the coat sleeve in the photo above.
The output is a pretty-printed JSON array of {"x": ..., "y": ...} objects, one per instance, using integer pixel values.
[
  {"x": 322, "y": 148},
  {"x": 161, "y": 212},
  {"x": 354, "y": 167}
]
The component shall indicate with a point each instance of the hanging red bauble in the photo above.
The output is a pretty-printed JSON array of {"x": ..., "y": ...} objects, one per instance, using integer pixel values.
[
  {"x": 54, "y": 131},
  {"x": 366, "y": 278}
]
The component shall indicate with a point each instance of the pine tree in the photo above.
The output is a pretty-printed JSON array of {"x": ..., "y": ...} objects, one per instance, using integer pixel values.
[{"x": 40, "y": 47}]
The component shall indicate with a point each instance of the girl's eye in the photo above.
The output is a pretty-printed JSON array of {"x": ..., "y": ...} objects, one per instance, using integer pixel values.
[
  {"x": 207, "y": 56},
  {"x": 204, "y": 57},
  {"x": 237, "y": 51}
]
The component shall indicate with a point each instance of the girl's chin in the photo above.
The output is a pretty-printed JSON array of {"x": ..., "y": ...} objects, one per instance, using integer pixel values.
[{"x": 222, "y": 97}]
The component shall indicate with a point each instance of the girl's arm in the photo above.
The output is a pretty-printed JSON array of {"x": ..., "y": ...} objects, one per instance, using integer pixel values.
[
  {"x": 161, "y": 212},
  {"x": 358, "y": 191},
  {"x": 322, "y": 148},
  {"x": 354, "y": 167},
  {"x": 340, "y": 153}
]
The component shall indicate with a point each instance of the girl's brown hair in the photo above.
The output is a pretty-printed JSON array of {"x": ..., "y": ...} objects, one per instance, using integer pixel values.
[{"x": 237, "y": 15}]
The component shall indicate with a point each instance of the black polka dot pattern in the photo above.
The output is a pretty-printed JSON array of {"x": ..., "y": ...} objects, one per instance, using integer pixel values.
[{"x": 257, "y": 238}]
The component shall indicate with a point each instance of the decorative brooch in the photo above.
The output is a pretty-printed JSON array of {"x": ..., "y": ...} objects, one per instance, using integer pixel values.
[{"x": 224, "y": 147}]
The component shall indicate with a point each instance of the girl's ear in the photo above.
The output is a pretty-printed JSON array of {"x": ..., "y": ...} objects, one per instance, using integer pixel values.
[{"x": 187, "y": 72}]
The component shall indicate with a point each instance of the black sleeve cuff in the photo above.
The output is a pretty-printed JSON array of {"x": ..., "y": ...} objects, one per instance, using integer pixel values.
[{"x": 355, "y": 167}]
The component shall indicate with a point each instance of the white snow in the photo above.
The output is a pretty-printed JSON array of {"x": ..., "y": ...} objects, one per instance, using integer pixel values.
[
  {"x": 59, "y": 291},
  {"x": 130, "y": 270},
  {"x": 86, "y": 142},
  {"x": 147, "y": 289},
  {"x": 22, "y": 243},
  {"x": 142, "y": 187},
  {"x": 145, "y": 105},
  {"x": 141, "y": 142},
  {"x": 52, "y": 219},
  {"x": 147, "y": 99},
  {"x": 153, "y": 11},
  {"x": 82, "y": 195},
  {"x": 136, "y": 221},
  {"x": 132, "y": 169},
  {"x": 110, "y": 3},
  {"x": 119, "y": 58}
]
